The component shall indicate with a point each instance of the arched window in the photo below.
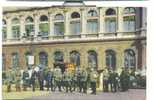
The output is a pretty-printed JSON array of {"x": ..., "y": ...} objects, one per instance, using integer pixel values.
[
  {"x": 44, "y": 26},
  {"x": 4, "y": 30},
  {"x": 59, "y": 17},
  {"x": 129, "y": 58},
  {"x": 92, "y": 13},
  {"x": 75, "y": 58},
  {"x": 75, "y": 24},
  {"x": 3, "y": 62},
  {"x": 92, "y": 59},
  {"x": 29, "y": 25},
  {"x": 110, "y": 12},
  {"x": 92, "y": 22},
  {"x": 58, "y": 56},
  {"x": 111, "y": 59},
  {"x": 15, "y": 60},
  {"x": 129, "y": 19},
  {"x": 43, "y": 59},
  {"x": 15, "y": 28},
  {"x": 110, "y": 21},
  {"x": 59, "y": 24},
  {"x": 27, "y": 54},
  {"x": 75, "y": 15}
]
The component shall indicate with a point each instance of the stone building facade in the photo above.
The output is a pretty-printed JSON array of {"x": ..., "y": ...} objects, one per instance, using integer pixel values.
[{"x": 87, "y": 36}]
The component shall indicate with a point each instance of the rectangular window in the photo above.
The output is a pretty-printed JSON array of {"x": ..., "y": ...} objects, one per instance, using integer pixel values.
[
  {"x": 75, "y": 28},
  {"x": 4, "y": 34},
  {"x": 92, "y": 26},
  {"x": 129, "y": 23},
  {"x": 110, "y": 25},
  {"x": 16, "y": 32},
  {"x": 29, "y": 29},
  {"x": 44, "y": 29},
  {"x": 59, "y": 28}
]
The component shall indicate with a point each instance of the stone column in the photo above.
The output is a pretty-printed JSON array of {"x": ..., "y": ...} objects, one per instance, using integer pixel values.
[
  {"x": 22, "y": 24},
  {"x": 67, "y": 23},
  {"x": 120, "y": 20},
  {"x": 83, "y": 22},
  {"x": 144, "y": 54},
  {"x": 101, "y": 21},
  {"x": 82, "y": 58},
  {"x": 51, "y": 24},
  {"x": 9, "y": 28},
  {"x": 66, "y": 55},
  {"x": 119, "y": 59},
  {"x": 36, "y": 23}
]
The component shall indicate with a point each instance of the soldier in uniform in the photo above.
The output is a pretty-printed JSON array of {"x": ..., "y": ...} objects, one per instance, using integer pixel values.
[
  {"x": 113, "y": 80},
  {"x": 84, "y": 76},
  {"x": 57, "y": 78},
  {"x": 25, "y": 80},
  {"x": 74, "y": 80},
  {"x": 33, "y": 79},
  {"x": 68, "y": 80},
  {"x": 41, "y": 79},
  {"x": 105, "y": 80},
  {"x": 50, "y": 80},
  {"x": 79, "y": 79},
  {"x": 93, "y": 80},
  {"x": 124, "y": 79},
  {"x": 9, "y": 79},
  {"x": 18, "y": 80}
]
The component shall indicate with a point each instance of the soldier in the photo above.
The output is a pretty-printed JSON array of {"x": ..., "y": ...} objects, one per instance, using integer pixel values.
[
  {"x": 33, "y": 79},
  {"x": 105, "y": 80},
  {"x": 18, "y": 80},
  {"x": 113, "y": 81},
  {"x": 9, "y": 79},
  {"x": 79, "y": 79},
  {"x": 68, "y": 80},
  {"x": 124, "y": 79},
  {"x": 93, "y": 80},
  {"x": 50, "y": 80},
  {"x": 57, "y": 78},
  {"x": 25, "y": 80},
  {"x": 74, "y": 80},
  {"x": 84, "y": 76},
  {"x": 41, "y": 79}
]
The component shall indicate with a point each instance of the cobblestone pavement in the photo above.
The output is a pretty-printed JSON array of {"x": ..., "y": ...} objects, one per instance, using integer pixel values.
[{"x": 132, "y": 94}]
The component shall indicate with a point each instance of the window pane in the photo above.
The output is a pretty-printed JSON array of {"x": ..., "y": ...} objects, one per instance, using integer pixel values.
[
  {"x": 59, "y": 28},
  {"x": 4, "y": 33},
  {"x": 43, "y": 59},
  {"x": 110, "y": 59},
  {"x": 16, "y": 31},
  {"x": 58, "y": 56},
  {"x": 92, "y": 59},
  {"x": 110, "y": 25},
  {"x": 15, "y": 60},
  {"x": 29, "y": 29},
  {"x": 92, "y": 26},
  {"x": 44, "y": 28},
  {"x": 75, "y": 28},
  {"x": 129, "y": 60},
  {"x": 75, "y": 58}
]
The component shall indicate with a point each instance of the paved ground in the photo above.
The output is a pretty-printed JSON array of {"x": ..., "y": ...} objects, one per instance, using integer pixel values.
[{"x": 132, "y": 94}]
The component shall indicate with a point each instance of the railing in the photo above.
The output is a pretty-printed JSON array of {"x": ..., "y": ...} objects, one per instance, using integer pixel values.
[{"x": 136, "y": 34}]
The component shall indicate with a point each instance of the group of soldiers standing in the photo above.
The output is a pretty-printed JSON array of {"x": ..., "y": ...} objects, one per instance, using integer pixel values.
[{"x": 81, "y": 79}]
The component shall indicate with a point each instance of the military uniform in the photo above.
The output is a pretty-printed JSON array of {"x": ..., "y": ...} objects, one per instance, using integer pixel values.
[
  {"x": 79, "y": 79},
  {"x": 74, "y": 80},
  {"x": 113, "y": 81},
  {"x": 57, "y": 78},
  {"x": 33, "y": 79},
  {"x": 41, "y": 79},
  {"x": 9, "y": 80},
  {"x": 18, "y": 81},
  {"x": 25, "y": 80},
  {"x": 105, "y": 81},
  {"x": 50, "y": 80},
  {"x": 68, "y": 80},
  {"x": 124, "y": 79},
  {"x": 84, "y": 76},
  {"x": 93, "y": 80}
]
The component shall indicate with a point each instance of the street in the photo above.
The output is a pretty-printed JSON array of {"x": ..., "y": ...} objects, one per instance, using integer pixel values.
[{"x": 132, "y": 94}]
